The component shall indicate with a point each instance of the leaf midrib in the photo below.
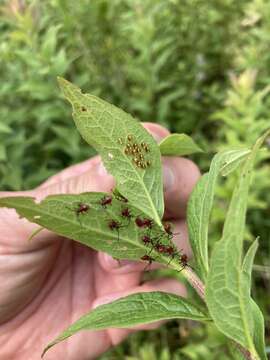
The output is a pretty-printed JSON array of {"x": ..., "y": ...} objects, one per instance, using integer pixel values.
[
  {"x": 97, "y": 231},
  {"x": 98, "y": 124},
  {"x": 94, "y": 230}
]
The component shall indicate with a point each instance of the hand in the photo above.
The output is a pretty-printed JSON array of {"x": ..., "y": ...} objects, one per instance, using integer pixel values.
[{"x": 48, "y": 283}]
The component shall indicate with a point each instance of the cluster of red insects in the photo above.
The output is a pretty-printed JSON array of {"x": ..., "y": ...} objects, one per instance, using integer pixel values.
[{"x": 143, "y": 223}]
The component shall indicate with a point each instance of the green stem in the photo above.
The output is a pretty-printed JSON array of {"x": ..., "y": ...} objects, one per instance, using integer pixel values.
[
  {"x": 195, "y": 282},
  {"x": 199, "y": 287}
]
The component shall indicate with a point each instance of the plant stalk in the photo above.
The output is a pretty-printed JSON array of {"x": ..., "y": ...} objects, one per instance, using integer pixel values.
[
  {"x": 199, "y": 287},
  {"x": 195, "y": 282}
]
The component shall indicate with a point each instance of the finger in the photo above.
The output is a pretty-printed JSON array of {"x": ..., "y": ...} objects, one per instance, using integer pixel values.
[
  {"x": 180, "y": 176},
  {"x": 62, "y": 179},
  {"x": 95, "y": 179},
  {"x": 127, "y": 266},
  {"x": 114, "y": 266},
  {"x": 157, "y": 131},
  {"x": 73, "y": 170},
  {"x": 164, "y": 285}
]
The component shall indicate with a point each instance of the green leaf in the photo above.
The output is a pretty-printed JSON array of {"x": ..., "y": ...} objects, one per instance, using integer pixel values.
[
  {"x": 59, "y": 213},
  {"x": 227, "y": 289},
  {"x": 141, "y": 308},
  {"x": 248, "y": 262},
  {"x": 235, "y": 351},
  {"x": 258, "y": 320},
  {"x": 235, "y": 159},
  {"x": 3, "y": 153},
  {"x": 5, "y": 129},
  {"x": 106, "y": 128},
  {"x": 258, "y": 333},
  {"x": 178, "y": 145},
  {"x": 201, "y": 202}
]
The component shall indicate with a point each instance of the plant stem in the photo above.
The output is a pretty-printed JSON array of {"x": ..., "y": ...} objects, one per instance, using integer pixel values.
[
  {"x": 247, "y": 355},
  {"x": 195, "y": 282},
  {"x": 199, "y": 287}
]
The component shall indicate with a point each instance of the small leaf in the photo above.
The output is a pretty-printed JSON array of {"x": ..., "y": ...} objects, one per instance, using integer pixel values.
[
  {"x": 93, "y": 227},
  {"x": 107, "y": 128},
  {"x": 248, "y": 262},
  {"x": 5, "y": 129},
  {"x": 227, "y": 289},
  {"x": 141, "y": 308},
  {"x": 178, "y": 145},
  {"x": 201, "y": 202}
]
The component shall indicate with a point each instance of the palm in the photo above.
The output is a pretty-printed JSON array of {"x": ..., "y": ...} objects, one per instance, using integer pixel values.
[{"x": 60, "y": 282}]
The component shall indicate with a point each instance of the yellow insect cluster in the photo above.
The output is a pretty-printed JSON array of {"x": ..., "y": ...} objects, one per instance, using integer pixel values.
[{"x": 137, "y": 151}]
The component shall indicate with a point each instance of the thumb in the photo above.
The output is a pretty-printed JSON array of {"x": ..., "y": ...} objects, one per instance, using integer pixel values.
[
  {"x": 71, "y": 181},
  {"x": 75, "y": 180},
  {"x": 94, "y": 179}
]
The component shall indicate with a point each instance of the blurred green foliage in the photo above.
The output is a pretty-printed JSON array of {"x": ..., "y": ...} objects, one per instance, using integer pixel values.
[{"x": 195, "y": 66}]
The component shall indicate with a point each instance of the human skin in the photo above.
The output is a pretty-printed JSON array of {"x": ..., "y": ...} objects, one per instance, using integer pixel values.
[{"x": 48, "y": 283}]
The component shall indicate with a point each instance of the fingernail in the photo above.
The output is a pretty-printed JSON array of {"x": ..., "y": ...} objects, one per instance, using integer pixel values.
[{"x": 168, "y": 178}]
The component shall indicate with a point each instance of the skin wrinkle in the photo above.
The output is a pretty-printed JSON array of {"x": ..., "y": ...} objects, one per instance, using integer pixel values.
[
  {"x": 40, "y": 278},
  {"x": 36, "y": 295},
  {"x": 26, "y": 251},
  {"x": 36, "y": 304}
]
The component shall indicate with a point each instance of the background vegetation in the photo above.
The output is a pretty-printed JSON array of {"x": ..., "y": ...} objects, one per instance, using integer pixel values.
[{"x": 195, "y": 66}]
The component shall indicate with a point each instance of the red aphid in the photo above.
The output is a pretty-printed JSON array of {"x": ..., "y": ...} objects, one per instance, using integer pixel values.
[
  {"x": 144, "y": 222},
  {"x": 146, "y": 239},
  {"x": 170, "y": 250},
  {"x": 126, "y": 213},
  {"x": 184, "y": 260},
  {"x": 82, "y": 208},
  {"x": 106, "y": 200},
  {"x": 168, "y": 228},
  {"x": 161, "y": 248},
  {"x": 139, "y": 222},
  {"x": 147, "y": 258},
  {"x": 114, "y": 225},
  {"x": 148, "y": 223}
]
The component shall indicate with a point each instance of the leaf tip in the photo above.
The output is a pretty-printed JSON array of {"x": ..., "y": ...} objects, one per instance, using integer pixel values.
[
  {"x": 44, "y": 351},
  {"x": 62, "y": 83},
  {"x": 68, "y": 88},
  {"x": 48, "y": 348}
]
